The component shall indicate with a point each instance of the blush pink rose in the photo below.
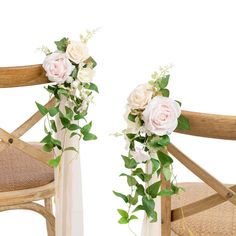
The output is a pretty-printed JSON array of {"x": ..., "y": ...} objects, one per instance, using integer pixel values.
[
  {"x": 58, "y": 67},
  {"x": 161, "y": 115},
  {"x": 140, "y": 155}
]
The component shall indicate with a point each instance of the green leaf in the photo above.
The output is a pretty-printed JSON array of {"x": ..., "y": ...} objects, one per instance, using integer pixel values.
[
  {"x": 123, "y": 220},
  {"x": 133, "y": 217},
  {"x": 180, "y": 104},
  {"x": 53, "y": 111},
  {"x": 74, "y": 72},
  {"x": 48, "y": 147},
  {"x": 53, "y": 125},
  {"x": 47, "y": 139},
  {"x": 130, "y": 163},
  {"x": 73, "y": 127},
  {"x": 64, "y": 92},
  {"x": 155, "y": 165},
  {"x": 148, "y": 205},
  {"x": 121, "y": 196},
  {"x": 56, "y": 142},
  {"x": 183, "y": 123},
  {"x": 73, "y": 134},
  {"x": 130, "y": 136},
  {"x": 80, "y": 116},
  {"x": 153, "y": 189},
  {"x": 165, "y": 92},
  {"x": 71, "y": 149},
  {"x": 163, "y": 82},
  {"x": 65, "y": 122},
  {"x": 89, "y": 136},
  {"x": 123, "y": 213},
  {"x": 139, "y": 208},
  {"x": 165, "y": 192},
  {"x": 43, "y": 110},
  {"x": 132, "y": 117},
  {"x": 69, "y": 113},
  {"x": 140, "y": 190},
  {"x": 154, "y": 216},
  {"x": 62, "y": 44},
  {"x": 164, "y": 158},
  {"x": 164, "y": 140},
  {"x": 167, "y": 173},
  {"x": 93, "y": 87},
  {"x": 54, "y": 162},
  {"x": 130, "y": 180},
  {"x": 85, "y": 129}
]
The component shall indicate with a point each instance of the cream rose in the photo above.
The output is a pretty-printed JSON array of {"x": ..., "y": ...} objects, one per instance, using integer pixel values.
[
  {"x": 140, "y": 155},
  {"x": 85, "y": 75},
  {"x": 77, "y": 52},
  {"x": 140, "y": 96},
  {"x": 58, "y": 68},
  {"x": 161, "y": 115}
]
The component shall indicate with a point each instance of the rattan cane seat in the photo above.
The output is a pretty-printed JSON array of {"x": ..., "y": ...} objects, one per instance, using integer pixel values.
[
  {"x": 19, "y": 171},
  {"x": 217, "y": 221}
]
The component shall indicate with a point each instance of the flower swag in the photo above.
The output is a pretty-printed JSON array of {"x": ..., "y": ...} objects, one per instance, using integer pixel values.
[
  {"x": 71, "y": 68},
  {"x": 151, "y": 117}
]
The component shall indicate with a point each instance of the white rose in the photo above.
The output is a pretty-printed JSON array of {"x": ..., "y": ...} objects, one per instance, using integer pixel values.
[
  {"x": 77, "y": 52},
  {"x": 75, "y": 84},
  {"x": 85, "y": 75},
  {"x": 140, "y": 96},
  {"x": 57, "y": 67},
  {"x": 140, "y": 155},
  {"x": 161, "y": 115},
  {"x": 69, "y": 80}
]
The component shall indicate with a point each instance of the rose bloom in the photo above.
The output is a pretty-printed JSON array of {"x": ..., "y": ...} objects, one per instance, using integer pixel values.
[
  {"x": 58, "y": 68},
  {"x": 140, "y": 96},
  {"x": 140, "y": 155},
  {"x": 161, "y": 115},
  {"x": 77, "y": 52},
  {"x": 85, "y": 75}
]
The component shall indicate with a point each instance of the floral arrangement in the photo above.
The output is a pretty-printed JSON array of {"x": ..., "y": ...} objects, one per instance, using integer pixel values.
[
  {"x": 151, "y": 116},
  {"x": 71, "y": 68}
]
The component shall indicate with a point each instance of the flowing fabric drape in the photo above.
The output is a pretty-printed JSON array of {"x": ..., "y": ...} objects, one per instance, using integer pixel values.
[
  {"x": 152, "y": 229},
  {"x": 68, "y": 197}
]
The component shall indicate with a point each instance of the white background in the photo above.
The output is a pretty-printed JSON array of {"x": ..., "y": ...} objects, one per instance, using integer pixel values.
[{"x": 136, "y": 37}]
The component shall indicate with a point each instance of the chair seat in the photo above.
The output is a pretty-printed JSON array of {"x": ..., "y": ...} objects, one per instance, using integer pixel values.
[
  {"x": 19, "y": 171},
  {"x": 217, "y": 221}
]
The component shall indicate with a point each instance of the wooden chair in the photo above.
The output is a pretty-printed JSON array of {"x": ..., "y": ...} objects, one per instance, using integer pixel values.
[
  {"x": 209, "y": 207},
  {"x": 25, "y": 176}
]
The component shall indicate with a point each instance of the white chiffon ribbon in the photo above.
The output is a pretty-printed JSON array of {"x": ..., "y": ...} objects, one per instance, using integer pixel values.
[
  {"x": 68, "y": 197},
  {"x": 152, "y": 229}
]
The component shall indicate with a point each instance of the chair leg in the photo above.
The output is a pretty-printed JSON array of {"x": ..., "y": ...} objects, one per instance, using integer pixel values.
[{"x": 48, "y": 206}]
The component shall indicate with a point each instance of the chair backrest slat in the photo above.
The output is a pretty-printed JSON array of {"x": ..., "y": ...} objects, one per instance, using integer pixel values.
[
  {"x": 210, "y": 125},
  {"x": 22, "y": 76}
]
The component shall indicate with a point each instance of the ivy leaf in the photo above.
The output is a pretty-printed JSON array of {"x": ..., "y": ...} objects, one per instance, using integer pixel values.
[
  {"x": 153, "y": 189},
  {"x": 91, "y": 62},
  {"x": 155, "y": 165},
  {"x": 165, "y": 192},
  {"x": 140, "y": 190},
  {"x": 80, "y": 116},
  {"x": 89, "y": 136},
  {"x": 163, "y": 82},
  {"x": 123, "y": 220},
  {"x": 148, "y": 205},
  {"x": 121, "y": 196},
  {"x": 130, "y": 136},
  {"x": 130, "y": 180},
  {"x": 43, "y": 110},
  {"x": 167, "y": 173},
  {"x": 139, "y": 208},
  {"x": 65, "y": 122},
  {"x": 48, "y": 147},
  {"x": 133, "y": 217},
  {"x": 123, "y": 213},
  {"x": 183, "y": 123},
  {"x": 74, "y": 72},
  {"x": 74, "y": 134},
  {"x": 133, "y": 200},
  {"x": 85, "y": 129},
  {"x": 73, "y": 127},
  {"x": 53, "y": 111},
  {"x": 62, "y": 44},
  {"x": 69, "y": 113},
  {"x": 53, "y": 125},
  {"x": 164, "y": 158},
  {"x": 54, "y": 162},
  {"x": 93, "y": 87},
  {"x": 130, "y": 163},
  {"x": 164, "y": 140},
  {"x": 165, "y": 92},
  {"x": 132, "y": 117}
]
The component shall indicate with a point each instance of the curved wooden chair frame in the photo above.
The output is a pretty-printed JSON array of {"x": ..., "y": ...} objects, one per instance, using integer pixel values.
[
  {"x": 24, "y": 199},
  {"x": 203, "y": 125}
]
